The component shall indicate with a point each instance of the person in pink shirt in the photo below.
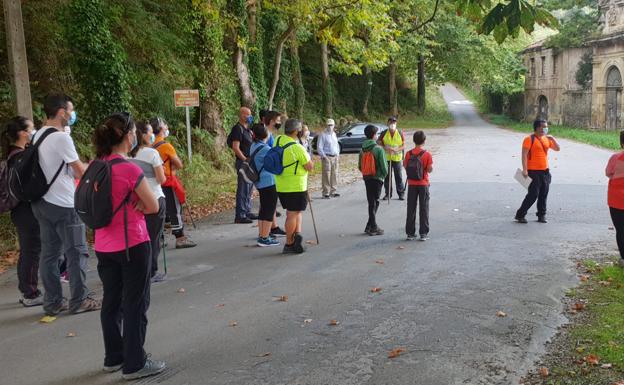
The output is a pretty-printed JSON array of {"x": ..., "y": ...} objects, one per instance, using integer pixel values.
[
  {"x": 124, "y": 254},
  {"x": 615, "y": 198}
]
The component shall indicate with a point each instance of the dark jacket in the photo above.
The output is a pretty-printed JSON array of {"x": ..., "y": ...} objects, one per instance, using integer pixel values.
[{"x": 381, "y": 162}]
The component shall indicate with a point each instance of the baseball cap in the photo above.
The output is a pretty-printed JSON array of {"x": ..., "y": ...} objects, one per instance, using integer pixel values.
[
  {"x": 392, "y": 118},
  {"x": 330, "y": 122}
]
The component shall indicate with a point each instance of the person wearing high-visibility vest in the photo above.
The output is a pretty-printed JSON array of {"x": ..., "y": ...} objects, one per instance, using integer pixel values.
[{"x": 393, "y": 142}]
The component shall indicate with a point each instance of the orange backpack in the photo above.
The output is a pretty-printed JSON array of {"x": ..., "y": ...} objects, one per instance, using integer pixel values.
[{"x": 368, "y": 164}]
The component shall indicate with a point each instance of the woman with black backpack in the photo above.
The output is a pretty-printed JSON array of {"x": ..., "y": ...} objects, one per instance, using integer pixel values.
[
  {"x": 15, "y": 137},
  {"x": 124, "y": 254}
]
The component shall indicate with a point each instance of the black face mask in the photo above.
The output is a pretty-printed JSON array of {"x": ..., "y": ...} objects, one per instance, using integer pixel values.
[{"x": 278, "y": 125}]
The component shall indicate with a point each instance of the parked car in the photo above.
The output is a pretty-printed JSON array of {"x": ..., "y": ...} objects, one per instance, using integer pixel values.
[{"x": 351, "y": 136}]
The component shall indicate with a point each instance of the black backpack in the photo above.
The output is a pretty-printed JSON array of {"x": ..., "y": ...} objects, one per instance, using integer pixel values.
[
  {"x": 415, "y": 169},
  {"x": 7, "y": 200},
  {"x": 27, "y": 182},
  {"x": 248, "y": 169}
]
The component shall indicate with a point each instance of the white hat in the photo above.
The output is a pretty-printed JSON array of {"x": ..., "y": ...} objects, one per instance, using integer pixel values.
[{"x": 330, "y": 122}]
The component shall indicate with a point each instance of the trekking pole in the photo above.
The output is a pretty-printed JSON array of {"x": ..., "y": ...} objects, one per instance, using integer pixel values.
[
  {"x": 389, "y": 181},
  {"x": 188, "y": 210},
  {"x": 313, "y": 220},
  {"x": 164, "y": 250}
]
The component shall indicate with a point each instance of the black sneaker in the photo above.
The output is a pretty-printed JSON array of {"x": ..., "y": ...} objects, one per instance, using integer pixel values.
[
  {"x": 252, "y": 216},
  {"x": 410, "y": 237},
  {"x": 243, "y": 220},
  {"x": 289, "y": 249},
  {"x": 299, "y": 248},
  {"x": 521, "y": 220},
  {"x": 325, "y": 196},
  {"x": 401, "y": 197},
  {"x": 376, "y": 231},
  {"x": 542, "y": 219},
  {"x": 335, "y": 195},
  {"x": 277, "y": 232}
]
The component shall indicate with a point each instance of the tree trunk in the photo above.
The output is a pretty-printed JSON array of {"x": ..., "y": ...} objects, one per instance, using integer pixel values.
[
  {"x": 392, "y": 89},
  {"x": 252, "y": 21},
  {"x": 248, "y": 98},
  {"x": 18, "y": 63},
  {"x": 368, "y": 77},
  {"x": 296, "y": 76},
  {"x": 211, "y": 116},
  {"x": 278, "y": 61},
  {"x": 420, "y": 101},
  {"x": 326, "y": 86}
]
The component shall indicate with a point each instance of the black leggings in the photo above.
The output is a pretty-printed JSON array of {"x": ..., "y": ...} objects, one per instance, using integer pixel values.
[
  {"x": 617, "y": 216},
  {"x": 30, "y": 246},
  {"x": 373, "y": 191},
  {"x": 155, "y": 224}
]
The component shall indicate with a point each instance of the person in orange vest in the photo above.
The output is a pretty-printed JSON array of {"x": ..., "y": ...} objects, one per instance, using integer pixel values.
[
  {"x": 615, "y": 199},
  {"x": 535, "y": 165}
]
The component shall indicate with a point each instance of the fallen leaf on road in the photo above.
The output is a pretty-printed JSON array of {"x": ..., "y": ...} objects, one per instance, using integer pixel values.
[
  {"x": 311, "y": 242},
  {"x": 544, "y": 371},
  {"x": 282, "y": 298},
  {"x": 606, "y": 366},
  {"x": 233, "y": 324},
  {"x": 334, "y": 323},
  {"x": 395, "y": 353},
  {"x": 579, "y": 306},
  {"x": 379, "y": 262},
  {"x": 220, "y": 305},
  {"x": 592, "y": 359},
  {"x": 71, "y": 334},
  {"x": 501, "y": 314},
  {"x": 375, "y": 290},
  {"x": 181, "y": 290},
  {"x": 307, "y": 320},
  {"x": 264, "y": 354},
  {"x": 456, "y": 210},
  {"x": 400, "y": 247},
  {"x": 47, "y": 319}
]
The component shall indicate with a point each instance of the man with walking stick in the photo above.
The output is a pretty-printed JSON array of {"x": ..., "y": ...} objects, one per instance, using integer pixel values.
[
  {"x": 292, "y": 182},
  {"x": 394, "y": 143}
]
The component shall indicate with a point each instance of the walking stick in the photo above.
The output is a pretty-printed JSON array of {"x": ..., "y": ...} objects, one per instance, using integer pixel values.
[
  {"x": 188, "y": 210},
  {"x": 389, "y": 180},
  {"x": 313, "y": 220},
  {"x": 164, "y": 250}
]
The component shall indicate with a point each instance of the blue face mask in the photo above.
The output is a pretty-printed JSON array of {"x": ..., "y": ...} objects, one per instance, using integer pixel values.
[
  {"x": 72, "y": 118},
  {"x": 152, "y": 138},
  {"x": 250, "y": 120},
  {"x": 135, "y": 143}
]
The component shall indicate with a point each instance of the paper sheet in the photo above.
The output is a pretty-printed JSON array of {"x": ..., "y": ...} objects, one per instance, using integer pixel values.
[{"x": 525, "y": 182}]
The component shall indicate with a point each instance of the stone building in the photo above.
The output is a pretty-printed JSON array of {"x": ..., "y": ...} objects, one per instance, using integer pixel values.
[{"x": 551, "y": 88}]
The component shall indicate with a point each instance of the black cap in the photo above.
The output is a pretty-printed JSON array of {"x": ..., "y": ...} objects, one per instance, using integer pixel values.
[{"x": 392, "y": 119}]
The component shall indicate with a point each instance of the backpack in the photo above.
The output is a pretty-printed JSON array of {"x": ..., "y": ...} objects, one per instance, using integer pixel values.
[
  {"x": 415, "y": 169},
  {"x": 27, "y": 182},
  {"x": 7, "y": 200},
  {"x": 274, "y": 159},
  {"x": 368, "y": 164},
  {"x": 248, "y": 169}
]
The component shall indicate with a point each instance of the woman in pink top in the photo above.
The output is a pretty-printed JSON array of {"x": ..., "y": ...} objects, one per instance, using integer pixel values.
[
  {"x": 125, "y": 274},
  {"x": 615, "y": 198}
]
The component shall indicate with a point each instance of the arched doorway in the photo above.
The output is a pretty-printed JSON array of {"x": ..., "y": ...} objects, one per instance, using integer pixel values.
[
  {"x": 614, "y": 99},
  {"x": 542, "y": 108}
]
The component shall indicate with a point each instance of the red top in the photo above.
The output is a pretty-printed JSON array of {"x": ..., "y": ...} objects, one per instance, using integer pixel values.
[
  {"x": 426, "y": 160},
  {"x": 615, "y": 172}
]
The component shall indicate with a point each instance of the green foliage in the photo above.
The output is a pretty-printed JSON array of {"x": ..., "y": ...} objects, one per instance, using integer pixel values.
[
  {"x": 99, "y": 60},
  {"x": 584, "y": 71},
  {"x": 576, "y": 27}
]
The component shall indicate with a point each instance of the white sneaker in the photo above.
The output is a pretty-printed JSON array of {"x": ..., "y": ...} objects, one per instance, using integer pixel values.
[
  {"x": 151, "y": 368},
  {"x": 30, "y": 302},
  {"x": 424, "y": 237}
]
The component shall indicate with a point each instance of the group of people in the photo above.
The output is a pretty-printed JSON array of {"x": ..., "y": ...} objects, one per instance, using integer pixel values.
[{"x": 145, "y": 193}]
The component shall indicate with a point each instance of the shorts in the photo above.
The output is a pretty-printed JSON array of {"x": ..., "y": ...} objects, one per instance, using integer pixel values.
[
  {"x": 294, "y": 201},
  {"x": 268, "y": 203}
]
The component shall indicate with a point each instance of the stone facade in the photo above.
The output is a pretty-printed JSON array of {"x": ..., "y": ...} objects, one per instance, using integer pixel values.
[{"x": 551, "y": 89}]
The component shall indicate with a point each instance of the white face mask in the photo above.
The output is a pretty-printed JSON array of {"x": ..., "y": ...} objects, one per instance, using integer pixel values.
[
  {"x": 545, "y": 130},
  {"x": 393, "y": 126},
  {"x": 166, "y": 133},
  {"x": 67, "y": 129}
]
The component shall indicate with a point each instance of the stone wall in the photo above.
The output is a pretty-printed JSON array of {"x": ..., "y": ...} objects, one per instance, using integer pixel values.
[{"x": 577, "y": 108}]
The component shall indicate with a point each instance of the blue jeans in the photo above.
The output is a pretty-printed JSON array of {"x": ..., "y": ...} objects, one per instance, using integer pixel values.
[
  {"x": 62, "y": 232},
  {"x": 243, "y": 194}
]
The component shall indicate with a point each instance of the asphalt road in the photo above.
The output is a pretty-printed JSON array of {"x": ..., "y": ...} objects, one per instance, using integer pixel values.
[{"x": 438, "y": 299}]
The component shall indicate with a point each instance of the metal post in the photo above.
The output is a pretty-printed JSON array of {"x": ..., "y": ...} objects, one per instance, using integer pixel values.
[{"x": 188, "y": 134}]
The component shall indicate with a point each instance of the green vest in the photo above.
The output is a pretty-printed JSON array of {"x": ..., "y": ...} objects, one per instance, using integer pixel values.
[{"x": 395, "y": 140}]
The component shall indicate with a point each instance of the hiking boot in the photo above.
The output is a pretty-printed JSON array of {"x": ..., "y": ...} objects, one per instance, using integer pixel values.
[
  {"x": 267, "y": 242},
  {"x": 112, "y": 368},
  {"x": 289, "y": 249},
  {"x": 30, "y": 302},
  {"x": 57, "y": 309},
  {"x": 335, "y": 195},
  {"x": 87, "y": 305},
  {"x": 159, "y": 277},
  {"x": 298, "y": 244},
  {"x": 424, "y": 237},
  {"x": 184, "y": 243},
  {"x": 542, "y": 219},
  {"x": 401, "y": 197},
  {"x": 410, "y": 237},
  {"x": 376, "y": 231},
  {"x": 277, "y": 232},
  {"x": 521, "y": 220},
  {"x": 325, "y": 196},
  {"x": 151, "y": 368},
  {"x": 243, "y": 220}
]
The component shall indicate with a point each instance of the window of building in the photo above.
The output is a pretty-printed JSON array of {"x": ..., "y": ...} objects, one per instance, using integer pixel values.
[
  {"x": 555, "y": 57},
  {"x": 532, "y": 68},
  {"x": 543, "y": 65}
]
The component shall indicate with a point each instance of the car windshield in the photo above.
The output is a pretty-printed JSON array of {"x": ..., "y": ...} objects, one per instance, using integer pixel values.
[{"x": 355, "y": 129}]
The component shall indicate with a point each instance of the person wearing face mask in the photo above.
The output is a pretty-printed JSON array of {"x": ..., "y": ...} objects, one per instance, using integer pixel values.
[
  {"x": 535, "y": 165},
  {"x": 14, "y": 138},
  {"x": 148, "y": 159},
  {"x": 393, "y": 142},
  {"x": 72, "y": 120},
  {"x": 329, "y": 151},
  {"x": 172, "y": 187},
  {"x": 60, "y": 228},
  {"x": 304, "y": 139},
  {"x": 240, "y": 140},
  {"x": 273, "y": 122}
]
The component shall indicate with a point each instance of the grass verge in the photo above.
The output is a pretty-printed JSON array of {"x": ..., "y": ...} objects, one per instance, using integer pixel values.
[{"x": 590, "y": 350}]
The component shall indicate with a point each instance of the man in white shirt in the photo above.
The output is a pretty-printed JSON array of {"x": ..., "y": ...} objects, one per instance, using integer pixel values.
[
  {"x": 62, "y": 231},
  {"x": 329, "y": 151}
]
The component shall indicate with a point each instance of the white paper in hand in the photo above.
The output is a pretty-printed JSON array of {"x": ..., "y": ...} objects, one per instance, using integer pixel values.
[{"x": 525, "y": 182}]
